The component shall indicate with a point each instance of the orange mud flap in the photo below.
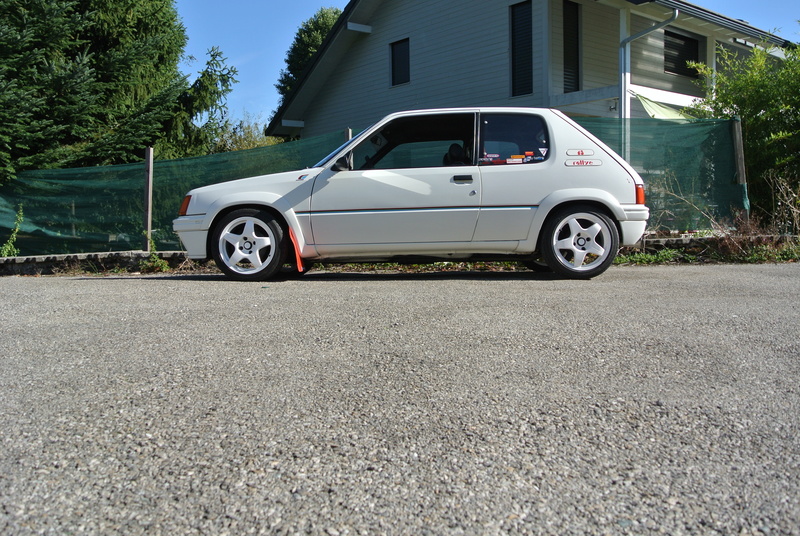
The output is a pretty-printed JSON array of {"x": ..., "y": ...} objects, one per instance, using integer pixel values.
[{"x": 297, "y": 258}]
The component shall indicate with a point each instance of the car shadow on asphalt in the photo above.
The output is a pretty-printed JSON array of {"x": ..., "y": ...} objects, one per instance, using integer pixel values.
[{"x": 324, "y": 276}]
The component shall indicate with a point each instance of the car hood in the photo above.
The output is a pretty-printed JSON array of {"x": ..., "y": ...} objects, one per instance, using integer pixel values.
[
  {"x": 276, "y": 184},
  {"x": 278, "y": 180}
]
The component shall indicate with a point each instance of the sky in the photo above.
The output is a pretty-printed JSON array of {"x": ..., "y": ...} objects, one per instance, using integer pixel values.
[{"x": 254, "y": 36}]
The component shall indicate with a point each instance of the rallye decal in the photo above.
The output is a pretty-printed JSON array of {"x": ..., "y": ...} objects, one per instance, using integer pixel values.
[{"x": 583, "y": 162}]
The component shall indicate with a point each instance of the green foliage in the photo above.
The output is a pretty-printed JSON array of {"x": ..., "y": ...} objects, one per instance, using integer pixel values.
[
  {"x": 307, "y": 41},
  {"x": 198, "y": 119},
  {"x": 9, "y": 249},
  {"x": 153, "y": 263},
  {"x": 662, "y": 256},
  {"x": 247, "y": 133},
  {"x": 764, "y": 92},
  {"x": 93, "y": 82}
]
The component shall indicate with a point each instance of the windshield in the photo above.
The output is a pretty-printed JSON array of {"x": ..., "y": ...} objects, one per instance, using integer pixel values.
[{"x": 339, "y": 149}]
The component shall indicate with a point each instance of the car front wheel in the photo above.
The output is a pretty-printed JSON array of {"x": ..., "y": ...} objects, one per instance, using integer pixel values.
[
  {"x": 579, "y": 242},
  {"x": 248, "y": 245}
]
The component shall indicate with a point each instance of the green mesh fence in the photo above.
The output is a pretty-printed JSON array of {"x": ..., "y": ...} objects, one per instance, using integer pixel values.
[
  {"x": 688, "y": 167},
  {"x": 97, "y": 209}
]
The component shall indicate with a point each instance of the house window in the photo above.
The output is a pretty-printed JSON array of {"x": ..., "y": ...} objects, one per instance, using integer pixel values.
[
  {"x": 572, "y": 47},
  {"x": 521, "y": 48},
  {"x": 679, "y": 49},
  {"x": 401, "y": 62}
]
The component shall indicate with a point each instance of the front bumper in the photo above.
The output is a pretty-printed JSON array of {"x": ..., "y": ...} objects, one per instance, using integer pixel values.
[{"x": 193, "y": 237}]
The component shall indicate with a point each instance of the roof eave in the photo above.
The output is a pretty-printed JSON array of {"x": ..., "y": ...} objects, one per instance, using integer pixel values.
[
  {"x": 275, "y": 126},
  {"x": 718, "y": 19}
]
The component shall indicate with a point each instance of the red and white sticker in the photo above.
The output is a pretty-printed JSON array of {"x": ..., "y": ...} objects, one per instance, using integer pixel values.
[
  {"x": 580, "y": 152},
  {"x": 583, "y": 162}
]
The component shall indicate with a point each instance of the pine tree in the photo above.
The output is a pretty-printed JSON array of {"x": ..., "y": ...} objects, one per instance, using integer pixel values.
[{"x": 93, "y": 82}]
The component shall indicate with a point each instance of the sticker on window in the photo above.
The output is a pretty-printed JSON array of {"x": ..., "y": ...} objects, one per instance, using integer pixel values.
[{"x": 532, "y": 156}]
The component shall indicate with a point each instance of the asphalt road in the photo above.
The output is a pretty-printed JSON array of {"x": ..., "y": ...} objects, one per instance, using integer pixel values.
[{"x": 648, "y": 400}]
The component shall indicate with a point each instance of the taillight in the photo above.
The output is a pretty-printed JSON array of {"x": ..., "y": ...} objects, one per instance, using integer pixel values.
[
  {"x": 640, "y": 194},
  {"x": 185, "y": 205}
]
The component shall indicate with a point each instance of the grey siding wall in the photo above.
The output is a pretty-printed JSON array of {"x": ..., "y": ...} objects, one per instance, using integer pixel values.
[
  {"x": 599, "y": 46},
  {"x": 459, "y": 57}
]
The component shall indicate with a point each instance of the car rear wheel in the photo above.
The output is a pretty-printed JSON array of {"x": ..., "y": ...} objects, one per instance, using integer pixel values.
[
  {"x": 579, "y": 242},
  {"x": 248, "y": 245}
]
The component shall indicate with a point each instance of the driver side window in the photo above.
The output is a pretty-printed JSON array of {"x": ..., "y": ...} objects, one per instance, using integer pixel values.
[{"x": 418, "y": 142}]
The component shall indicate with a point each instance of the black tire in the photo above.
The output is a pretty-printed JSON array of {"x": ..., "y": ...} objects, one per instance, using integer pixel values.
[
  {"x": 579, "y": 242},
  {"x": 248, "y": 245}
]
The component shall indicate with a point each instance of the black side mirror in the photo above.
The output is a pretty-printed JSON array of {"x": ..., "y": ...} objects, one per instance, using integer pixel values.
[{"x": 343, "y": 164}]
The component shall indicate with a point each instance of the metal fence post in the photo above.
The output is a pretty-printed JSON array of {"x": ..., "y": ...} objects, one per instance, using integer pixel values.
[{"x": 148, "y": 198}]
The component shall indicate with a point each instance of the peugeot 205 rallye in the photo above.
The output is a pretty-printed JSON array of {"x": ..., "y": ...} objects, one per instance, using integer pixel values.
[{"x": 523, "y": 184}]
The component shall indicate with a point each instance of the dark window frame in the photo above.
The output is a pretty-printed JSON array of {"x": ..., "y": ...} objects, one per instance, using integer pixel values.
[
  {"x": 678, "y": 49},
  {"x": 572, "y": 46},
  {"x": 521, "y": 37},
  {"x": 401, "y": 61}
]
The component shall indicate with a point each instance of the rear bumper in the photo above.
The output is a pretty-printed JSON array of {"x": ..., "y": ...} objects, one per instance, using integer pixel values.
[
  {"x": 634, "y": 224},
  {"x": 192, "y": 235}
]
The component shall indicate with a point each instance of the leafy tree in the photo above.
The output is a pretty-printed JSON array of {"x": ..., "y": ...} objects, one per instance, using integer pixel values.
[
  {"x": 764, "y": 92},
  {"x": 247, "y": 133},
  {"x": 92, "y": 82},
  {"x": 306, "y": 42}
]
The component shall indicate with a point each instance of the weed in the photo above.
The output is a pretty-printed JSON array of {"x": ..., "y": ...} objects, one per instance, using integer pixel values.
[
  {"x": 153, "y": 263},
  {"x": 661, "y": 256},
  {"x": 9, "y": 249}
]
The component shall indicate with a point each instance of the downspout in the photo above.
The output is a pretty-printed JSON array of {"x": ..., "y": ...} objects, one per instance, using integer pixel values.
[{"x": 625, "y": 64}]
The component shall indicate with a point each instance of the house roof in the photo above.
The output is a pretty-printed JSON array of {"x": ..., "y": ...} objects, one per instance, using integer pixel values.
[
  {"x": 355, "y": 19},
  {"x": 706, "y": 17},
  {"x": 333, "y": 49}
]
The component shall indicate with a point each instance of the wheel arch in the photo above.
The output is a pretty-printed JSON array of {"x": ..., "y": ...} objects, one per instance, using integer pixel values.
[
  {"x": 546, "y": 212},
  {"x": 277, "y": 214}
]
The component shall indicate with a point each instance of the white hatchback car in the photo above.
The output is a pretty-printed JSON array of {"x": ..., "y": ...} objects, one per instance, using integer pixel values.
[{"x": 523, "y": 184}]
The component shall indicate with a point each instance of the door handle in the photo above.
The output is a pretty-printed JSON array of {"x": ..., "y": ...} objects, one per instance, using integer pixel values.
[{"x": 462, "y": 178}]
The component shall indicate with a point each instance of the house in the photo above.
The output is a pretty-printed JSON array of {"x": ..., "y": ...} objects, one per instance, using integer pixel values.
[{"x": 585, "y": 57}]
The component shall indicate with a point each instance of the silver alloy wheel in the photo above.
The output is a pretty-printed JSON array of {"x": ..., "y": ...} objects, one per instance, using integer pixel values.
[
  {"x": 581, "y": 243},
  {"x": 246, "y": 245}
]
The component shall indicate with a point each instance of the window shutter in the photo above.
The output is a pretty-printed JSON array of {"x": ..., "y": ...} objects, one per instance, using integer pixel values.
[
  {"x": 572, "y": 43},
  {"x": 678, "y": 49},
  {"x": 521, "y": 49},
  {"x": 401, "y": 62}
]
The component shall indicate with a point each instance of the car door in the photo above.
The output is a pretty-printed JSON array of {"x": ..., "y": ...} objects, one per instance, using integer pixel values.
[
  {"x": 516, "y": 174},
  {"x": 412, "y": 181}
]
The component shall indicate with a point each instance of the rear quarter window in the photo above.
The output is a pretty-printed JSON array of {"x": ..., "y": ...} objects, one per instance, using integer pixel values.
[{"x": 509, "y": 139}]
